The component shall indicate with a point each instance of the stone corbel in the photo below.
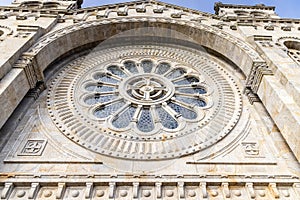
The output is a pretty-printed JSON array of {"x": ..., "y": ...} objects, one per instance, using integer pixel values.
[
  {"x": 112, "y": 187},
  {"x": 203, "y": 190},
  {"x": 123, "y": 11},
  {"x": 135, "y": 190},
  {"x": 33, "y": 190},
  {"x": 88, "y": 190},
  {"x": 225, "y": 189},
  {"x": 60, "y": 190},
  {"x": 250, "y": 190},
  {"x": 141, "y": 8},
  {"x": 159, "y": 9},
  {"x": 8, "y": 188},
  {"x": 274, "y": 190},
  {"x": 158, "y": 190},
  {"x": 296, "y": 187},
  {"x": 181, "y": 189}
]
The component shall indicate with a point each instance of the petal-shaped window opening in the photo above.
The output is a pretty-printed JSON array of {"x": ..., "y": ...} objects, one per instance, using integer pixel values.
[
  {"x": 166, "y": 119},
  {"x": 123, "y": 120},
  {"x": 97, "y": 98},
  {"x": 192, "y": 101},
  {"x": 192, "y": 90},
  {"x": 107, "y": 110},
  {"x": 145, "y": 122},
  {"x": 99, "y": 88},
  {"x": 184, "y": 112},
  {"x": 176, "y": 73},
  {"x": 131, "y": 67},
  {"x": 162, "y": 68},
  {"x": 116, "y": 71},
  {"x": 147, "y": 66},
  {"x": 102, "y": 77},
  {"x": 187, "y": 81}
]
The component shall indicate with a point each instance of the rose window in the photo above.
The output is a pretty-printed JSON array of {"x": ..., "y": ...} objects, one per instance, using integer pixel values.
[
  {"x": 146, "y": 95},
  {"x": 144, "y": 101}
]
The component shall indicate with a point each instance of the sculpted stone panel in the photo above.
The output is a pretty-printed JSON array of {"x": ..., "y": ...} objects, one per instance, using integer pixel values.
[{"x": 128, "y": 187}]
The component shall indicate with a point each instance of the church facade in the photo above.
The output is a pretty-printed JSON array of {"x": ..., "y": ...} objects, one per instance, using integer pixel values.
[{"x": 148, "y": 100}]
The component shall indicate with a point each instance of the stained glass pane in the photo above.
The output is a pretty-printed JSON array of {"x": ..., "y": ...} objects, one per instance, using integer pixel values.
[
  {"x": 99, "y": 99},
  {"x": 91, "y": 88},
  {"x": 116, "y": 71},
  {"x": 162, "y": 68},
  {"x": 124, "y": 119},
  {"x": 105, "y": 78},
  {"x": 130, "y": 66},
  {"x": 185, "y": 113},
  {"x": 99, "y": 88},
  {"x": 103, "y": 88},
  {"x": 147, "y": 66},
  {"x": 192, "y": 90},
  {"x": 166, "y": 119},
  {"x": 145, "y": 121},
  {"x": 187, "y": 81},
  {"x": 106, "y": 111},
  {"x": 176, "y": 73},
  {"x": 192, "y": 101}
]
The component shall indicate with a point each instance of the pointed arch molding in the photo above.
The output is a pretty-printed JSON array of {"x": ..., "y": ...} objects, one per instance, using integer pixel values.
[{"x": 57, "y": 43}]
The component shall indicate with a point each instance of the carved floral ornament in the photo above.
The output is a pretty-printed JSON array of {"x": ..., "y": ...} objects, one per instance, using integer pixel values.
[{"x": 144, "y": 102}]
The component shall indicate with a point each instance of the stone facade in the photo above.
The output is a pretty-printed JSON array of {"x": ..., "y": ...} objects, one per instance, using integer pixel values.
[{"x": 147, "y": 100}]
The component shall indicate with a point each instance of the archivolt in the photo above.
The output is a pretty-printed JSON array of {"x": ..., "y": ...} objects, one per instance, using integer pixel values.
[{"x": 57, "y": 43}]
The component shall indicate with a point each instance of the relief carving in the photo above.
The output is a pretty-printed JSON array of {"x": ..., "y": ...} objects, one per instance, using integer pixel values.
[
  {"x": 251, "y": 149},
  {"x": 33, "y": 148}
]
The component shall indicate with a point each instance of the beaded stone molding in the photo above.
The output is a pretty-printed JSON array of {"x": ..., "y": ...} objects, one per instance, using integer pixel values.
[{"x": 145, "y": 101}]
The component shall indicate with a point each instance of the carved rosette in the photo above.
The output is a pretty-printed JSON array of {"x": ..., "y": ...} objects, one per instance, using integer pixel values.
[{"x": 145, "y": 101}]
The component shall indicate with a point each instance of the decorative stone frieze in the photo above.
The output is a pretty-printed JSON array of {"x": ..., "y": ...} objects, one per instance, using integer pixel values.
[{"x": 149, "y": 187}]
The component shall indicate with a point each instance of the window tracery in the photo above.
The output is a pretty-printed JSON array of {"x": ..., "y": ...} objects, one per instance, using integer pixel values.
[
  {"x": 144, "y": 102},
  {"x": 154, "y": 92}
]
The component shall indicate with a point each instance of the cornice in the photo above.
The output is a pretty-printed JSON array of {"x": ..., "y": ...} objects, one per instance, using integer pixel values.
[
  {"x": 115, "y": 186},
  {"x": 219, "y": 5}
]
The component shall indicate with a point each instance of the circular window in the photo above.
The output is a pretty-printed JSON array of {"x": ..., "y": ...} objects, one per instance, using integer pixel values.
[
  {"x": 147, "y": 96},
  {"x": 144, "y": 101}
]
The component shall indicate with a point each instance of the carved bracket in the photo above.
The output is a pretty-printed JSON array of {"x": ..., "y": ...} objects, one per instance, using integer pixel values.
[
  {"x": 34, "y": 76},
  {"x": 259, "y": 69}
]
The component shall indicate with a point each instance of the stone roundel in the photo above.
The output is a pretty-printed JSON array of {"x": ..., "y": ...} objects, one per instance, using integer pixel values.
[{"x": 144, "y": 101}]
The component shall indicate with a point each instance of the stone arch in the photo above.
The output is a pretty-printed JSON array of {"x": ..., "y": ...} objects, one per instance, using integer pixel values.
[
  {"x": 292, "y": 46},
  {"x": 58, "y": 43}
]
